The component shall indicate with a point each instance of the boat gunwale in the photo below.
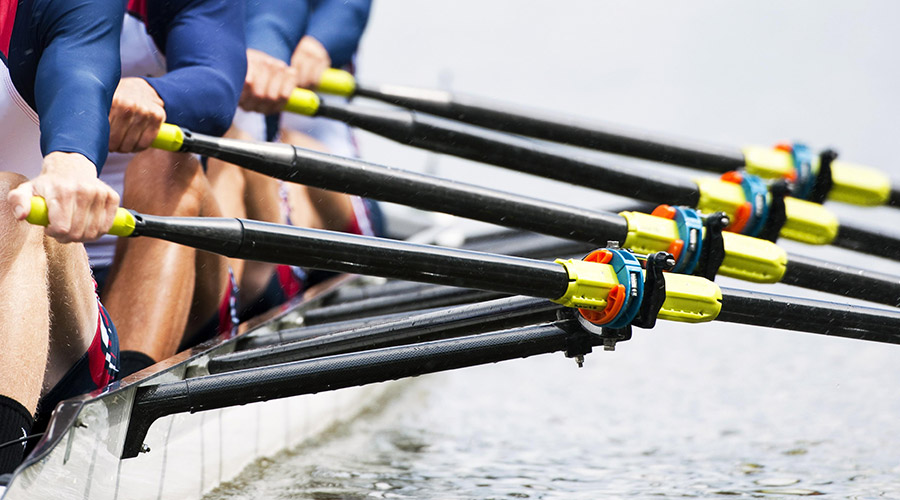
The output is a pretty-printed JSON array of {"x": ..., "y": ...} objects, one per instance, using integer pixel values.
[{"x": 66, "y": 413}]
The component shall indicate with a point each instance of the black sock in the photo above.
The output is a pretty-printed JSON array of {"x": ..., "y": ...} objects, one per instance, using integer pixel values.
[
  {"x": 15, "y": 423},
  {"x": 133, "y": 362}
]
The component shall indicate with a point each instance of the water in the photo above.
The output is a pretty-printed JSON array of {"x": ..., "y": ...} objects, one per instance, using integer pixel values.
[{"x": 685, "y": 410}]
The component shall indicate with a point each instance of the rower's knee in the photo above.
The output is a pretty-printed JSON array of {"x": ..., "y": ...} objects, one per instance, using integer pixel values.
[
  {"x": 165, "y": 183},
  {"x": 15, "y": 235}
]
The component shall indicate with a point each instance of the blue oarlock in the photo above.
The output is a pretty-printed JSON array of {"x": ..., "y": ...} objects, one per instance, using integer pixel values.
[
  {"x": 757, "y": 193},
  {"x": 690, "y": 231},
  {"x": 630, "y": 274},
  {"x": 802, "y": 157}
]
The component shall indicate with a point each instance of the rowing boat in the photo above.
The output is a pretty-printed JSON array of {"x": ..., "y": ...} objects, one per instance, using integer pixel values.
[
  {"x": 141, "y": 438},
  {"x": 184, "y": 455}
]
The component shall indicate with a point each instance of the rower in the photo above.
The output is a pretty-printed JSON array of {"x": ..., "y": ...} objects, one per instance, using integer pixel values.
[
  {"x": 61, "y": 70},
  {"x": 318, "y": 36},
  {"x": 182, "y": 61}
]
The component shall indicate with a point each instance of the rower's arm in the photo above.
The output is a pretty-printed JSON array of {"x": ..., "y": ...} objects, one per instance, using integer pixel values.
[
  {"x": 206, "y": 62},
  {"x": 77, "y": 74},
  {"x": 276, "y": 26},
  {"x": 338, "y": 25}
]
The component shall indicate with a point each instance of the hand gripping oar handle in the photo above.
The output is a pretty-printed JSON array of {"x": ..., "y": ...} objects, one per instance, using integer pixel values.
[{"x": 123, "y": 225}]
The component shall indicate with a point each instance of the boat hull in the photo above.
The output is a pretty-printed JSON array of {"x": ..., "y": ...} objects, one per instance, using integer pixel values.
[{"x": 185, "y": 455}]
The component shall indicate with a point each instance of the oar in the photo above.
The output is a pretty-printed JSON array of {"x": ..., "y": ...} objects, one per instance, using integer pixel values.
[
  {"x": 746, "y": 258},
  {"x": 805, "y": 221},
  {"x": 689, "y": 298},
  {"x": 514, "y": 312},
  {"x": 850, "y": 183},
  {"x": 585, "y": 284},
  {"x": 239, "y": 387}
]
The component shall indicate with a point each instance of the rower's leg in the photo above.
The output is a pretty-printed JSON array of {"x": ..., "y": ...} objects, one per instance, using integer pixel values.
[
  {"x": 73, "y": 308},
  {"x": 150, "y": 286},
  {"x": 211, "y": 280},
  {"x": 49, "y": 318},
  {"x": 313, "y": 207},
  {"x": 244, "y": 193},
  {"x": 24, "y": 324}
]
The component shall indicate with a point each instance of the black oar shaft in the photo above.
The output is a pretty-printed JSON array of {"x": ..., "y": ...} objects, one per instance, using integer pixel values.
[
  {"x": 458, "y": 321},
  {"x": 815, "y": 274},
  {"x": 894, "y": 200},
  {"x": 412, "y": 189},
  {"x": 330, "y": 373},
  {"x": 560, "y": 129},
  {"x": 355, "y": 254},
  {"x": 429, "y": 193},
  {"x": 869, "y": 241},
  {"x": 306, "y": 332},
  {"x": 530, "y": 157},
  {"x": 346, "y": 370},
  {"x": 438, "y": 296},
  {"x": 812, "y": 316},
  {"x": 515, "y": 153}
]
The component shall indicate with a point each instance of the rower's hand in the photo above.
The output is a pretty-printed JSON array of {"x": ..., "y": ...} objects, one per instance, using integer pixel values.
[
  {"x": 80, "y": 206},
  {"x": 268, "y": 85},
  {"x": 135, "y": 116},
  {"x": 310, "y": 60}
]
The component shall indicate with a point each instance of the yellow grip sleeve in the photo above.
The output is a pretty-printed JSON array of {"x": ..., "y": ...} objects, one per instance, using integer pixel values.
[
  {"x": 858, "y": 185},
  {"x": 169, "y": 138},
  {"x": 337, "y": 82},
  {"x": 589, "y": 284},
  {"x": 752, "y": 259},
  {"x": 769, "y": 163},
  {"x": 123, "y": 225},
  {"x": 690, "y": 299},
  {"x": 303, "y": 102},
  {"x": 809, "y": 222}
]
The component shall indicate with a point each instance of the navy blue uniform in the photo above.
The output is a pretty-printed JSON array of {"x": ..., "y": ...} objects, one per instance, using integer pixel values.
[
  {"x": 62, "y": 60},
  {"x": 202, "y": 42},
  {"x": 192, "y": 53},
  {"x": 276, "y": 26}
]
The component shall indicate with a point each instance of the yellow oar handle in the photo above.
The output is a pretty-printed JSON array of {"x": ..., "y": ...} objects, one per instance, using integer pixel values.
[
  {"x": 122, "y": 226},
  {"x": 303, "y": 102},
  {"x": 337, "y": 82},
  {"x": 169, "y": 138}
]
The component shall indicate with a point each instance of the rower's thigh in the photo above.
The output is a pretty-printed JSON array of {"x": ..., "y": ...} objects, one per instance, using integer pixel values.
[
  {"x": 13, "y": 234},
  {"x": 73, "y": 306},
  {"x": 24, "y": 316},
  {"x": 42, "y": 278},
  {"x": 164, "y": 183}
]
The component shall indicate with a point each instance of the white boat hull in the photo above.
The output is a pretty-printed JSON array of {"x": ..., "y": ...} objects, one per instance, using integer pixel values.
[{"x": 185, "y": 455}]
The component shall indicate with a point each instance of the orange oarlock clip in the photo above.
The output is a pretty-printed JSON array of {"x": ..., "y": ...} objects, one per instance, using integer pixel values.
[
  {"x": 675, "y": 248},
  {"x": 664, "y": 211},
  {"x": 744, "y": 210},
  {"x": 784, "y": 146},
  {"x": 734, "y": 176},
  {"x": 741, "y": 217},
  {"x": 668, "y": 212},
  {"x": 614, "y": 301}
]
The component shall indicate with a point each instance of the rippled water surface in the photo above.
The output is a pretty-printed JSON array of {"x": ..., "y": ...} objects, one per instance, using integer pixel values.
[
  {"x": 703, "y": 411},
  {"x": 674, "y": 414}
]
